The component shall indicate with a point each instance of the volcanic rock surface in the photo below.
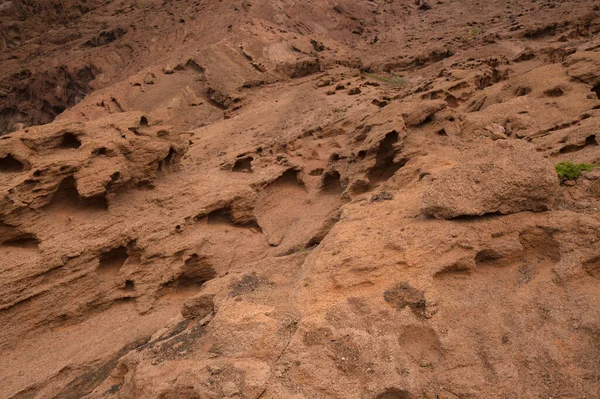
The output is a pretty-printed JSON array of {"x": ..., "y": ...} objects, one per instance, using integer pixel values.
[{"x": 299, "y": 199}]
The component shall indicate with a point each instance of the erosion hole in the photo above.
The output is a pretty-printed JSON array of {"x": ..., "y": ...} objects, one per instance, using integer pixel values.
[
  {"x": 289, "y": 178},
  {"x": 452, "y": 101},
  {"x": 170, "y": 156},
  {"x": 222, "y": 216},
  {"x": 522, "y": 91},
  {"x": 331, "y": 183},
  {"x": 554, "y": 92},
  {"x": 27, "y": 241},
  {"x": 100, "y": 151},
  {"x": 485, "y": 256},
  {"x": 393, "y": 393},
  {"x": 596, "y": 89},
  {"x": 385, "y": 167},
  {"x": 112, "y": 261},
  {"x": 196, "y": 271},
  {"x": 592, "y": 267},
  {"x": 129, "y": 286},
  {"x": 66, "y": 196},
  {"x": 105, "y": 37},
  {"x": 243, "y": 165},
  {"x": 168, "y": 160},
  {"x": 69, "y": 140},
  {"x": 589, "y": 140},
  {"x": 9, "y": 164}
]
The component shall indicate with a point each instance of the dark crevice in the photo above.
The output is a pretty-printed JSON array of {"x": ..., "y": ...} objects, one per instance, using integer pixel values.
[
  {"x": 592, "y": 267},
  {"x": 486, "y": 256},
  {"x": 25, "y": 241},
  {"x": 9, "y": 164},
  {"x": 452, "y": 101},
  {"x": 129, "y": 286},
  {"x": 112, "y": 261},
  {"x": 554, "y": 92},
  {"x": 196, "y": 271},
  {"x": 331, "y": 183},
  {"x": 243, "y": 165},
  {"x": 69, "y": 140},
  {"x": 289, "y": 178},
  {"x": 471, "y": 218},
  {"x": 385, "y": 167},
  {"x": 87, "y": 382},
  {"x": 522, "y": 91},
  {"x": 393, "y": 393},
  {"x": 194, "y": 66},
  {"x": 105, "y": 37},
  {"x": 222, "y": 216},
  {"x": 100, "y": 151},
  {"x": 323, "y": 231},
  {"x": 589, "y": 141},
  {"x": 171, "y": 158},
  {"x": 596, "y": 90},
  {"x": 66, "y": 196}
]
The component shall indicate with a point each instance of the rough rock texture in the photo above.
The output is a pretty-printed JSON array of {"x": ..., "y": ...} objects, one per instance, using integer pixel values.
[
  {"x": 500, "y": 177},
  {"x": 233, "y": 199}
]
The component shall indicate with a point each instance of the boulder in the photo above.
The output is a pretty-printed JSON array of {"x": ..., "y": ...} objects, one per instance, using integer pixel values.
[
  {"x": 198, "y": 307},
  {"x": 417, "y": 112},
  {"x": 505, "y": 176},
  {"x": 584, "y": 66}
]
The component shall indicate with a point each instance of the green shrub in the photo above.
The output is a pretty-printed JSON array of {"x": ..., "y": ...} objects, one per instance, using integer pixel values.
[
  {"x": 571, "y": 171},
  {"x": 392, "y": 79}
]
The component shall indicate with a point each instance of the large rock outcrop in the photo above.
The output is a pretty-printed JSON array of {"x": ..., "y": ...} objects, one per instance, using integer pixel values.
[{"x": 500, "y": 177}]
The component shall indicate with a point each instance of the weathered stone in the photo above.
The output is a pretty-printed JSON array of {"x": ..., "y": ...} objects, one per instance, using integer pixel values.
[{"x": 501, "y": 177}]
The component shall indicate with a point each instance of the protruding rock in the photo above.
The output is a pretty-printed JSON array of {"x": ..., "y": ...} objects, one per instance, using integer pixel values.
[
  {"x": 583, "y": 66},
  {"x": 150, "y": 78},
  {"x": 198, "y": 307},
  {"x": 495, "y": 131},
  {"x": 502, "y": 177},
  {"x": 415, "y": 113}
]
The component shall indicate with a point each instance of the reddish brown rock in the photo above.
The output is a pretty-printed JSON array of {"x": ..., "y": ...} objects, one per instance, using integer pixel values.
[{"x": 502, "y": 177}]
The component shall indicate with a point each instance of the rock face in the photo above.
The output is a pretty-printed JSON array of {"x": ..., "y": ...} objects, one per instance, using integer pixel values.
[
  {"x": 95, "y": 159},
  {"x": 193, "y": 206},
  {"x": 500, "y": 177}
]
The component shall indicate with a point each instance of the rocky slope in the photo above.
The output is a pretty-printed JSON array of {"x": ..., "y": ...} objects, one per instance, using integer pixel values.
[{"x": 280, "y": 199}]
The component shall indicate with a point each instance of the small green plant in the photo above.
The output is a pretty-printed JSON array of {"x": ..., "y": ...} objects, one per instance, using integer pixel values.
[
  {"x": 475, "y": 31},
  {"x": 392, "y": 79},
  {"x": 571, "y": 171}
]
